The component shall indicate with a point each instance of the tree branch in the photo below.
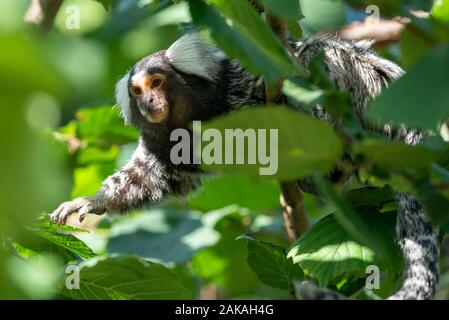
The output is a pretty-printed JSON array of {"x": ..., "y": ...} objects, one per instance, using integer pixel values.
[
  {"x": 42, "y": 13},
  {"x": 292, "y": 201},
  {"x": 384, "y": 31}
]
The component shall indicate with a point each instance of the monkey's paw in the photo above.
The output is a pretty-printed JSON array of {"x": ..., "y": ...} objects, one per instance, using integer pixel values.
[{"x": 82, "y": 205}]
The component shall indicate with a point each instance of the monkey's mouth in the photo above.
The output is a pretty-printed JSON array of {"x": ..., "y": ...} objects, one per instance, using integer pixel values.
[{"x": 157, "y": 114}]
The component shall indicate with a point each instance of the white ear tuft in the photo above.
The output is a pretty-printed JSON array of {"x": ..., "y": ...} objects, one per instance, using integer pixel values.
[
  {"x": 191, "y": 55},
  {"x": 122, "y": 98}
]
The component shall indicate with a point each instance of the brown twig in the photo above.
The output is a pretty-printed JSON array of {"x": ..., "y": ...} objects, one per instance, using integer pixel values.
[
  {"x": 385, "y": 31},
  {"x": 292, "y": 201},
  {"x": 382, "y": 31},
  {"x": 42, "y": 13}
]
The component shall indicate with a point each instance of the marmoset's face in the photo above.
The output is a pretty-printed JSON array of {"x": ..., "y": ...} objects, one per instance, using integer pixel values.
[
  {"x": 148, "y": 86},
  {"x": 159, "y": 92}
]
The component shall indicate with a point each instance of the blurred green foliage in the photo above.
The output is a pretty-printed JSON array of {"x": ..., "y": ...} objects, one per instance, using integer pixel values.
[{"x": 62, "y": 136}]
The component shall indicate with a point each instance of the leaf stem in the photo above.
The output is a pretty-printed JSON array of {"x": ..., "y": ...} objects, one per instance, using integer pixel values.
[{"x": 292, "y": 200}]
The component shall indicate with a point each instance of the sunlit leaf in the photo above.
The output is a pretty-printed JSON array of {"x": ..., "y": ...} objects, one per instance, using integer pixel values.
[
  {"x": 351, "y": 221},
  {"x": 68, "y": 242},
  {"x": 328, "y": 253},
  {"x": 440, "y": 10},
  {"x": 126, "y": 278},
  {"x": 103, "y": 126},
  {"x": 87, "y": 180},
  {"x": 271, "y": 264}
]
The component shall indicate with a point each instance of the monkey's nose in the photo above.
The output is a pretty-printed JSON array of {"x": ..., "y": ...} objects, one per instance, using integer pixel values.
[{"x": 148, "y": 98}]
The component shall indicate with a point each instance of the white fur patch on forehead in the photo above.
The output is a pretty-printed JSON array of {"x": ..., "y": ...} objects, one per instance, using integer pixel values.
[
  {"x": 191, "y": 55},
  {"x": 138, "y": 75},
  {"x": 122, "y": 98}
]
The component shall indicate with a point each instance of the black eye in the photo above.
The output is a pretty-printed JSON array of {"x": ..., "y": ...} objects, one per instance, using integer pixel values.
[
  {"x": 156, "y": 82},
  {"x": 136, "y": 90}
]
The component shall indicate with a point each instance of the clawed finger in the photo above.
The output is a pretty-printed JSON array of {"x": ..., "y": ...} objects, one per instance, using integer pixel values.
[
  {"x": 83, "y": 212},
  {"x": 64, "y": 211},
  {"x": 64, "y": 215},
  {"x": 54, "y": 217},
  {"x": 83, "y": 206}
]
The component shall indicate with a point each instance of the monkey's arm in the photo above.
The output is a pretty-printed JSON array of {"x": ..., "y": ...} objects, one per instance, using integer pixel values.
[{"x": 143, "y": 180}]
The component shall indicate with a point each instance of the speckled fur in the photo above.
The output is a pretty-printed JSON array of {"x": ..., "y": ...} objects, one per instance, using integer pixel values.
[
  {"x": 419, "y": 245},
  {"x": 133, "y": 186}
]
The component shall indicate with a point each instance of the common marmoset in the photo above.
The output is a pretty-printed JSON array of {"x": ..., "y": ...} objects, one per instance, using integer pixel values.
[{"x": 194, "y": 81}]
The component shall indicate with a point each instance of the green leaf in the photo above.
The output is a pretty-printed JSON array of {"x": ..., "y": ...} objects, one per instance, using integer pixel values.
[
  {"x": 126, "y": 278},
  {"x": 249, "y": 23},
  {"x": 239, "y": 190},
  {"x": 440, "y": 10},
  {"x": 106, "y": 3},
  {"x": 127, "y": 16},
  {"x": 441, "y": 173},
  {"x": 249, "y": 39},
  {"x": 87, "y": 180},
  {"x": 44, "y": 224},
  {"x": 288, "y": 10},
  {"x": 294, "y": 30},
  {"x": 94, "y": 154},
  {"x": 396, "y": 154},
  {"x": 413, "y": 47},
  {"x": 102, "y": 126},
  {"x": 163, "y": 235},
  {"x": 271, "y": 264},
  {"x": 370, "y": 196},
  {"x": 328, "y": 253},
  {"x": 37, "y": 276},
  {"x": 444, "y": 159},
  {"x": 350, "y": 221},
  {"x": 68, "y": 242},
  {"x": 303, "y": 93},
  {"x": 426, "y": 108},
  {"x": 322, "y": 15},
  {"x": 298, "y": 153},
  {"x": 32, "y": 245},
  {"x": 23, "y": 252},
  {"x": 223, "y": 265},
  {"x": 435, "y": 204},
  {"x": 27, "y": 56},
  {"x": 46, "y": 238}
]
